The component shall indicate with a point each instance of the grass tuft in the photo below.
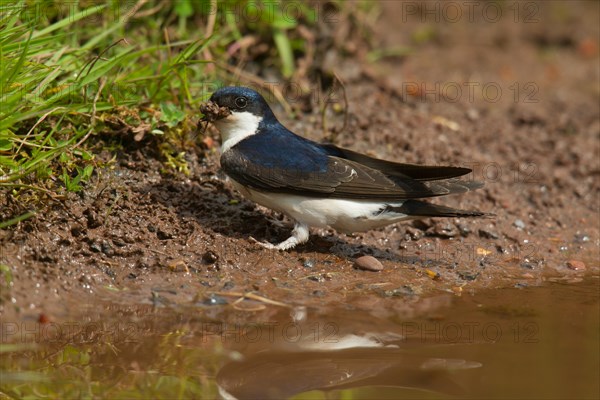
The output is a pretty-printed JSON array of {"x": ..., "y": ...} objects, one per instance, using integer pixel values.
[{"x": 74, "y": 73}]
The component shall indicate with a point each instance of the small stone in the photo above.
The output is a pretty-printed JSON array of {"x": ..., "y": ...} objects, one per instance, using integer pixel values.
[
  {"x": 228, "y": 285},
  {"x": 488, "y": 234},
  {"x": 472, "y": 114},
  {"x": 307, "y": 262},
  {"x": 118, "y": 242},
  {"x": 519, "y": 224},
  {"x": 463, "y": 229},
  {"x": 107, "y": 249},
  {"x": 76, "y": 230},
  {"x": 368, "y": 263},
  {"x": 414, "y": 233},
  {"x": 95, "y": 247},
  {"x": 468, "y": 276},
  {"x": 163, "y": 235},
  {"x": 94, "y": 220},
  {"x": 210, "y": 257},
  {"x": 581, "y": 238},
  {"x": 405, "y": 290},
  {"x": 527, "y": 265},
  {"x": 443, "y": 231},
  {"x": 576, "y": 265}
]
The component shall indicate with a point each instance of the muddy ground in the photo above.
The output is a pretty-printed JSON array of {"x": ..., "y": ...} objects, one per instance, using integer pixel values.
[{"x": 514, "y": 98}]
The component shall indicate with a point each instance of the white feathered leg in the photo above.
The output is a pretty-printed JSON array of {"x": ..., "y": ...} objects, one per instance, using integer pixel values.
[{"x": 299, "y": 236}]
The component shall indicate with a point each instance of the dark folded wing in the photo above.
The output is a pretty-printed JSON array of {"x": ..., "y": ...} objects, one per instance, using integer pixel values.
[
  {"x": 416, "y": 172},
  {"x": 337, "y": 177}
]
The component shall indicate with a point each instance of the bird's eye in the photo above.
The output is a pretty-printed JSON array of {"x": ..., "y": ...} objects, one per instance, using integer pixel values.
[{"x": 241, "y": 102}]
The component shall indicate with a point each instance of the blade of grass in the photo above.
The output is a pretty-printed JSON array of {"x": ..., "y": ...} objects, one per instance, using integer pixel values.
[
  {"x": 16, "y": 220},
  {"x": 63, "y": 23},
  {"x": 286, "y": 55}
]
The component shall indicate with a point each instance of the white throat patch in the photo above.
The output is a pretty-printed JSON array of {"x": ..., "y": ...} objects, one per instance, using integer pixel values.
[{"x": 236, "y": 127}]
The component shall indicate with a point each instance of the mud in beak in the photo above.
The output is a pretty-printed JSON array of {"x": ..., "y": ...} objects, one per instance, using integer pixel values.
[{"x": 212, "y": 112}]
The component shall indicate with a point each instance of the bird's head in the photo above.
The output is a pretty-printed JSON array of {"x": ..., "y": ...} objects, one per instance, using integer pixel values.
[{"x": 237, "y": 113}]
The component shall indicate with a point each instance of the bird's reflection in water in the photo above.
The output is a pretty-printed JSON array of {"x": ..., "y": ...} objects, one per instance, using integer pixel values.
[{"x": 350, "y": 361}]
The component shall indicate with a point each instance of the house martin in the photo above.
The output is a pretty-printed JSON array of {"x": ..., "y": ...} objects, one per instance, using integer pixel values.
[{"x": 321, "y": 185}]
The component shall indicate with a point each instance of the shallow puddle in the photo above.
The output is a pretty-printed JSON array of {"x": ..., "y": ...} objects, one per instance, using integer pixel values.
[{"x": 513, "y": 343}]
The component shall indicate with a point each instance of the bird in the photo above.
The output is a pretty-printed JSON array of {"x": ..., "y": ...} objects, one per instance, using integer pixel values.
[{"x": 320, "y": 184}]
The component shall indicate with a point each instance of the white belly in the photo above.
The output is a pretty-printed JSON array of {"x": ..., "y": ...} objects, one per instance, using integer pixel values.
[{"x": 342, "y": 215}]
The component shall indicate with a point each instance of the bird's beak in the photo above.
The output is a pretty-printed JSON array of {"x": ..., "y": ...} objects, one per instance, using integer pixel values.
[{"x": 212, "y": 111}]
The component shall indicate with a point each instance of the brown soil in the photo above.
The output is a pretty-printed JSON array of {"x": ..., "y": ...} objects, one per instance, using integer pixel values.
[{"x": 136, "y": 235}]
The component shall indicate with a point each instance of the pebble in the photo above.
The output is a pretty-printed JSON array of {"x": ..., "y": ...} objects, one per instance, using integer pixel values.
[
  {"x": 118, "y": 242},
  {"x": 163, "y": 235},
  {"x": 527, "y": 265},
  {"x": 95, "y": 247},
  {"x": 228, "y": 285},
  {"x": 576, "y": 265},
  {"x": 107, "y": 249},
  {"x": 307, "y": 262},
  {"x": 405, "y": 290},
  {"x": 76, "y": 230},
  {"x": 414, "y": 233},
  {"x": 463, "y": 229},
  {"x": 468, "y": 276},
  {"x": 94, "y": 220},
  {"x": 581, "y": 238},
  {"x": 519, "y": 224},
  {"x": 488, "y": 234},
  {"x": 443, "y": 231},
  {"x": 473, "y": 114},
  {"x": 210, "y": 257},
  {"x": 368, "y": 263}
]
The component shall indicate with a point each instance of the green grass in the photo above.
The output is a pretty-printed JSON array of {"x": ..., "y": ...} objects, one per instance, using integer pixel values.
[
  {"x": 74, "y": 72},
  {"x": 159, "y": 367}
]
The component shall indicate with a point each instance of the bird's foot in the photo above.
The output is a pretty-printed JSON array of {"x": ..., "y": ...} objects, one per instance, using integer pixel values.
[{"x": 299, "y": 236}]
